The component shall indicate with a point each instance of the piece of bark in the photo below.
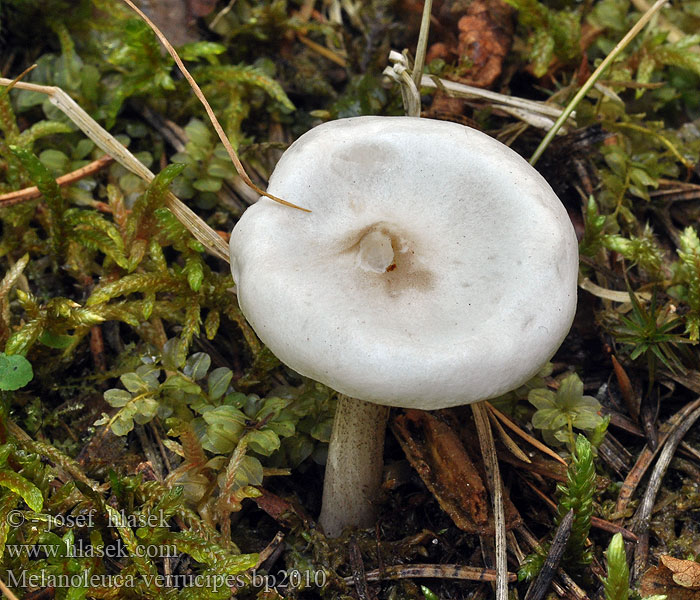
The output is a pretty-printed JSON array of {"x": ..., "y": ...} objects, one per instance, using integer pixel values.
[{"x": 436, "y": 452}]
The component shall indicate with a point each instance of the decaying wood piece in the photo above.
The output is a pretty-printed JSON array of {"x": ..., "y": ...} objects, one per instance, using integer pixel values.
[{"x": 436, "y": 452}]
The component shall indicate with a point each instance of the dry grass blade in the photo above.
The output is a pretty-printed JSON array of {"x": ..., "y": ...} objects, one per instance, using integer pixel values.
[
  {"x": 523, "y": 434},
  {"x": 105, "y": 142},
  {"x": 614, "y": 295},
  {"x": 585, "y": 88},
  {"x": 6, "y": 284},
  {"x": 7, "y": 592},
  {"x": 461, "y": 90},
  {"x": 488, "y": 451},
  {"x": 212, "y": 117},
  {"x": 507, "y": 440},
  {"x": 12, "y": 276}
]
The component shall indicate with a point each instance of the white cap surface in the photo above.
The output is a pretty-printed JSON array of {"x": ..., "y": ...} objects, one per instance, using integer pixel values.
[{"x": 437, "y": 268}]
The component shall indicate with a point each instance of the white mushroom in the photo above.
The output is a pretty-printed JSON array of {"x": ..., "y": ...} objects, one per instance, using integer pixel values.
[{"x": 437, "y": 268}]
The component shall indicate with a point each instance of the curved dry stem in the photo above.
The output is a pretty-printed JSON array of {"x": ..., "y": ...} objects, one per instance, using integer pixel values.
[
  {"x": 212, "y": 117},
  {"x": 354, "y": 466}
]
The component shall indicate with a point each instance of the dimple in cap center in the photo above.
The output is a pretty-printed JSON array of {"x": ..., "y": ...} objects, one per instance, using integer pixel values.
[{"x": 376, "y": 253}]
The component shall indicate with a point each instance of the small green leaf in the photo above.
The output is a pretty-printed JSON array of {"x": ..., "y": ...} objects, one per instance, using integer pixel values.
[
  {"x": 218, "y": 382},
  {"x": 428, "y": 593},
  {"x": 208, "y": 184},
  {"x": 174, "y": 355},
  {"x": 249, "y": 472},
  {"x": 122, "y": 425},
  {"x": 15, "y": 371},
  {"x": 116, "y": 397},
  {"x": 263, "y": 441},
  {"x": 196, "y": 50},
  {"x": 197, "y": 365},
  {"x": 146, "y": 409},
  {"x": 134, "y": 383},
  {"x": 55, "y": 161}
]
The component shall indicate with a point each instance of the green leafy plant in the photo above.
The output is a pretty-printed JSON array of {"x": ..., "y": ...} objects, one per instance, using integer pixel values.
[
  {"x": 688, "y": 275},
  {"x": 616, "y": 583},
  {"x": 577, "y": 495},
  {"x": 551, "y": 33},
  {"x": 558, "y": 413},
  {"x": 208, "y": 415},
  {"x": 649, "y": 332}
]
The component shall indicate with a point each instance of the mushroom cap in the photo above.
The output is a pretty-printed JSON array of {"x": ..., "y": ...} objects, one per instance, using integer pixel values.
[{"x": 437, "y": 267}]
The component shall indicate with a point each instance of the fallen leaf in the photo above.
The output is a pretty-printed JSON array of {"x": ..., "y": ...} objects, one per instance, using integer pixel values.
[
  {"x": 685, "y": 572},
  {"x": 675, "y": 578}
]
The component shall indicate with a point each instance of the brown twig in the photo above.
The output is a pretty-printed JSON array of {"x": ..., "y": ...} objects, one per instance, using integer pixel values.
[
  {"x": 567, "y": 588},
  {"x": 358, "y": 571},
  {"x": 626, "y": 389},
  {"x": 30, "y": 193},
  {"x": 270, "y": 549},
  {"x": 431, "y": 571},
  {"x": 596, "y": 522},
  {"x": 538, "y": 588},
  {"x": 97, "y": 348}
]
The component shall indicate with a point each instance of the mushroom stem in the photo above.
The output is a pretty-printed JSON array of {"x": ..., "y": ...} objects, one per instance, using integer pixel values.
[{"x": 354, "y": 465}]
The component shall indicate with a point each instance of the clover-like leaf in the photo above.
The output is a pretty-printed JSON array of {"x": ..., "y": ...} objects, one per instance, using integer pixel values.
[{"x": 568, "y": 406}]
